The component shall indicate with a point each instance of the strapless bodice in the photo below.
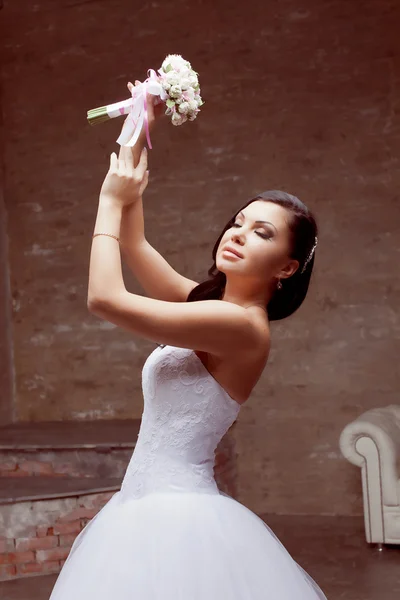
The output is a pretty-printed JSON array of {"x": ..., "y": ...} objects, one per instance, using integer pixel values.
[{"x": 186, "y": 413}]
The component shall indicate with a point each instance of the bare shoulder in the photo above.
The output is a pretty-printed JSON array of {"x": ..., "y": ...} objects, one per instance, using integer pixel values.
[
  {"x": 239, "y": 370},
  {"x": 246, "y": 367},
  {"x": 261, "y": 326},
  {"x": 255, "y": 360}
]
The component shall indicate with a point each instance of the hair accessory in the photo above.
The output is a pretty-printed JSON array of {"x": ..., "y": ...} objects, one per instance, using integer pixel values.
[
  {"x": 310, "y": 255},
  {"x": 109, "y": 234},
  {"x": 279, "y": 284}
]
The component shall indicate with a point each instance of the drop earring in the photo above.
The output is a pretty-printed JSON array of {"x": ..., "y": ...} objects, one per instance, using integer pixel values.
[{"x": 279, "y": 285}]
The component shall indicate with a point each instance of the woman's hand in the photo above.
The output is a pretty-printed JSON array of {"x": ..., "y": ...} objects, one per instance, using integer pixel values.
[{"x": 124, "y": 184}]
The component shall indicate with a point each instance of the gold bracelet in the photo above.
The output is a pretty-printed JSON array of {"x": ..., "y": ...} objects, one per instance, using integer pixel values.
[{"x": 110, "y": 234}]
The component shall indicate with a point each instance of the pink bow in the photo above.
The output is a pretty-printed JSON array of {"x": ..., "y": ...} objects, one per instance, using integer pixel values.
[{"x": 138, "y": 110}]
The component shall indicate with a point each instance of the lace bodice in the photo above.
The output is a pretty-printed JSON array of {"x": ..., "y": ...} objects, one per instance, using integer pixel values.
[{"x": 186, "y": 413}]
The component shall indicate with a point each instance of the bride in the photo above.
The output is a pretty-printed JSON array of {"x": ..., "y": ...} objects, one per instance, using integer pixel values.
[{"x": 169, "y": 533}]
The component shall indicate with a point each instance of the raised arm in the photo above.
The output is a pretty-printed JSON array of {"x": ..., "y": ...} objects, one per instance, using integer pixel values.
[{"x": 156, "y": 276}]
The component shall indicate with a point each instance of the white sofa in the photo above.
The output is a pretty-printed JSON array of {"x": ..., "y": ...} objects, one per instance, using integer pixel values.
[{"x": 372, "y": 442}]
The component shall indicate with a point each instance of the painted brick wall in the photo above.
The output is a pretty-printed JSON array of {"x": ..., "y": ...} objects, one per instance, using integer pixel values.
[
  {"x": 37, "y": 535},
  {"x": 301, "y": 98}
]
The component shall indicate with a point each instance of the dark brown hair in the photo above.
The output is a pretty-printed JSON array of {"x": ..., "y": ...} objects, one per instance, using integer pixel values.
[{"x": 303, "y": 231}]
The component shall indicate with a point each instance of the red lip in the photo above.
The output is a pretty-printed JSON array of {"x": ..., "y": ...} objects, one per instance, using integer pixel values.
[{"x": 234, "y": 251}]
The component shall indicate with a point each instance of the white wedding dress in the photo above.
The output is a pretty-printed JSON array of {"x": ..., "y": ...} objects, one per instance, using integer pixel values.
[{"x": 169, "y": 533}]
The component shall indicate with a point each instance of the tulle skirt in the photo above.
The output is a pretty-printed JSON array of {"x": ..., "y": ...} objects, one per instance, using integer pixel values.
[{"x": 180, "y": 546}]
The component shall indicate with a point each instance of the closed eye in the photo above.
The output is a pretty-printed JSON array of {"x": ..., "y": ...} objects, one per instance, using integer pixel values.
[{"x": 263, "y": 235}]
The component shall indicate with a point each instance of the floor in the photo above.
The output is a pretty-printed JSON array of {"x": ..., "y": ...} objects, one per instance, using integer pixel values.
[{"x": 332, "y": 550}]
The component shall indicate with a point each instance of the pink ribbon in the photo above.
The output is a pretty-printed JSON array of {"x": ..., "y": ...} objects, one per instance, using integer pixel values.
[
  {"x": 138, "y": 110},
  {"x": 146, "y": 115}
]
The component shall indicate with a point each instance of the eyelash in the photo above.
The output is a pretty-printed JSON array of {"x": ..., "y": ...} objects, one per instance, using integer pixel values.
[{"x": 263, "y": 235}]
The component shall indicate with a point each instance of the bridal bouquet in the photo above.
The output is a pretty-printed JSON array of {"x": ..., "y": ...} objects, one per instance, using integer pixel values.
[{"x": 176, "y": 84}]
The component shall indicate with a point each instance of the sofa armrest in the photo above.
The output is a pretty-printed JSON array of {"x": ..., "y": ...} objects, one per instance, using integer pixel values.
[{"x": 382, "y": 426}]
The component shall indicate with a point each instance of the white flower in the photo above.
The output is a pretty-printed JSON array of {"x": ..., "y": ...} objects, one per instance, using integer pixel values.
[
  {"x": 185, "y": 83},
  {"x": 189, "y": 93},
  {"x": 184, "y": 108},
  {"x": 175, "y": 91},
  {"x": 192, "y": 105},
  {"x": 170, "y": 61},
  {"x": 185, "y": 73},
  {"x": 178, "y": 119},
  {"x": 172, "y": 78},
  {"x": 176, "y": 62},
  {"x": 180, "y": 89}
]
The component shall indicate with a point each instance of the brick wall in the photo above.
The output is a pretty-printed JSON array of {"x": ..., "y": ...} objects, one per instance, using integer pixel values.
[
  {"x": 37, "y": 541},
  {"x": 38, "y": 534},
  {"x": 6, "y": 342},
  {"x": 301, "y": 98},
  {"x": 65, "y": 463}
]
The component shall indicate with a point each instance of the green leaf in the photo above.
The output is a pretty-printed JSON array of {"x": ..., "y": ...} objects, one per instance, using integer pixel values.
[
  {"x": 170, "y": 103},
  {"x": 168, "y": 68}
]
